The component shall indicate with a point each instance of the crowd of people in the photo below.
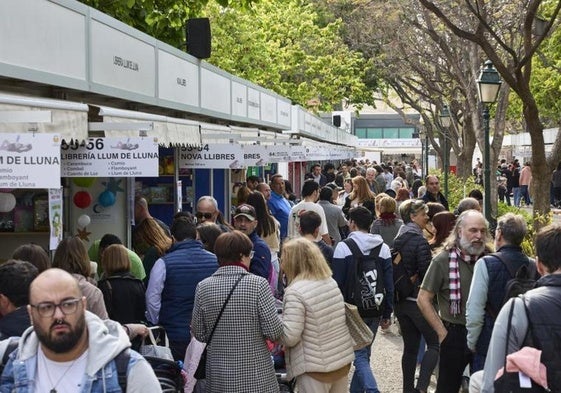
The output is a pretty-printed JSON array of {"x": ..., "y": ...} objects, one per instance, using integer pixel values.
[{"x": 279, "y": 273}]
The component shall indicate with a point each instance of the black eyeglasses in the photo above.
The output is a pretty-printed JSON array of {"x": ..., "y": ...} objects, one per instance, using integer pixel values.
[
  {"x": 207, "y": 216},
  {"x": 47, "y": 309}
]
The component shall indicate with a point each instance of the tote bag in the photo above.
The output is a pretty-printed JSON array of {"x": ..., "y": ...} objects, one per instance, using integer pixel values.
[{"x": 360, "y": 332}]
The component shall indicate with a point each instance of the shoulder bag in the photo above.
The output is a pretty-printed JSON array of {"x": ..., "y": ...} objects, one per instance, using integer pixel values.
[
  {"x": 201, "y": 369},
  {"x": 360, "y": 332}
]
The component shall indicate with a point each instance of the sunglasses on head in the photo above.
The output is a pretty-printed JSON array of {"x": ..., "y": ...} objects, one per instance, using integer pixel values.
[{"x": 207, "y": 216}]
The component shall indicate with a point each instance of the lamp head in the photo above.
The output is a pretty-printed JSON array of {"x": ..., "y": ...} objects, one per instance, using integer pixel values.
[{"x": 488, "y": 83}]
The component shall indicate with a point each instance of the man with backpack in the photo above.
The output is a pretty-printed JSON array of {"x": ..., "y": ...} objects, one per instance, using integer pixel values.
[
  {"x": 531, "y": 320},
  {"x": 497, "y": 277},
  {"x": 363, "y": 271},
  {"x": 69, "y": 349}
]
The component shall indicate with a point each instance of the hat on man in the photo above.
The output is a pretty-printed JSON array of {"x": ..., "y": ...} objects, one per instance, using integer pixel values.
[
  {"x": 245, "y": 210},
  {"x": 333, "y": 186}
]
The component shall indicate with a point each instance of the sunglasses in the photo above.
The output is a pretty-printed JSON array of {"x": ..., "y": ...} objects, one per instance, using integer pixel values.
[{"x": 207, "y": 216}]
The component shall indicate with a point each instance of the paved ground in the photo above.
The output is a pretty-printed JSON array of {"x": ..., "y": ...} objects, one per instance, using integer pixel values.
[{"x": 386, "y": 361}]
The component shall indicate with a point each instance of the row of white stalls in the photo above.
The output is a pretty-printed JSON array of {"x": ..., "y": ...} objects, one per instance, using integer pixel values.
[{"x": 93, "y": 112}]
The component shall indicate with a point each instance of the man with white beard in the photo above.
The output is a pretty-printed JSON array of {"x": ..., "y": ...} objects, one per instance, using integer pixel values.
[{"x": 449, "y": 279}]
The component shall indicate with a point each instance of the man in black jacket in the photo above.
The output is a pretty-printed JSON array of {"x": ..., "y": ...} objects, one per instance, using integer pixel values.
[
  {"x": 15, "y": 279},
  {"x": 433, "y": 193}
]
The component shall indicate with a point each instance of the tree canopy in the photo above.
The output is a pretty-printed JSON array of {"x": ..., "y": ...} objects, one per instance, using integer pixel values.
[{"x": 281, "y": 45}]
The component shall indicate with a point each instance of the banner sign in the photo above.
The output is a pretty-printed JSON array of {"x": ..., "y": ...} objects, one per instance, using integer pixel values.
[
  {"x": 279, "y": 153},
  {"x": 30, "y": 160},
  {"x": 298, "y": 153},
  {"x": 255, "y": 155},
  {"x": 110, "y": 157},
  {"x": 212, "y": 156}
]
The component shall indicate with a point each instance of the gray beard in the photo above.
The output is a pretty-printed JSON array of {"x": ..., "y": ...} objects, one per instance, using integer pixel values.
[{"x": 471, "y": 249}]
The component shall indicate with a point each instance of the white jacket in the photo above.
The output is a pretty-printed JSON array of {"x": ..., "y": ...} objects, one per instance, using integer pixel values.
[{"x": 315, "y": 331}]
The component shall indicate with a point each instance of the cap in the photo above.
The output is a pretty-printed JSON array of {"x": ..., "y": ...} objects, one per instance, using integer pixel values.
[
  {"x": 245, "y": 210},
  {"x": 333, "y": 186}
]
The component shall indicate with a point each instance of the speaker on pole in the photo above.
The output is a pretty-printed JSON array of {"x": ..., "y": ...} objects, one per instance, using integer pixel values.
[
  {"x": 337, "y": 120},
  {"x": 198, "y": 37}
]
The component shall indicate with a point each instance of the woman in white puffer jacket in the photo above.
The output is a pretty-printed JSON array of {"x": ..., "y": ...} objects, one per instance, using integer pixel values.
[{"x": 319, "y": 348}]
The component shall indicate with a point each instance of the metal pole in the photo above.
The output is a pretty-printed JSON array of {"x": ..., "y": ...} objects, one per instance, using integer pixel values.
[
  {"x": 486, "y": 165},
  {"x": 446, "y": 164},
  {"x": 426, "y": 155}
]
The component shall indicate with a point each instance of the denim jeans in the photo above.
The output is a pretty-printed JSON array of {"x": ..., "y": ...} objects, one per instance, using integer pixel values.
[
  {"x": 363, "y": 378},
  {"x": 525, "y": 193},
  {"x": 516, "y": 196},
  {"x": 414, "y": 326}
]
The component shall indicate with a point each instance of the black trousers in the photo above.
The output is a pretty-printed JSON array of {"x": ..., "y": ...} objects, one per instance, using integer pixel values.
[{"x": 454, "y": 357}]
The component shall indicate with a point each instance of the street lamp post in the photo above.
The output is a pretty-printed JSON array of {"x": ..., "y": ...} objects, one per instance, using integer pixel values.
[
  {"x": 445, "y": 121},
  {"x": 488, "y": 85}
]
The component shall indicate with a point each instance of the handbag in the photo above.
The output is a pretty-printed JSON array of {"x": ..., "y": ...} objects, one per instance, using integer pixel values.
[
  {"x": 158, "y": 344},
  {"x": 201, "y": 368},
  {"x": 361, "y": 334}
]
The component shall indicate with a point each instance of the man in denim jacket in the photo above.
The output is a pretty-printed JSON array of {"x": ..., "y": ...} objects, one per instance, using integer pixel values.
[{"x": 69, "y": 349}]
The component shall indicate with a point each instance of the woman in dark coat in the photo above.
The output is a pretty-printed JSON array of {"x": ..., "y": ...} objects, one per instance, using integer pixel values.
[
  {"x": 123, "y": 293},
  {"x": 416, "y": 256}
]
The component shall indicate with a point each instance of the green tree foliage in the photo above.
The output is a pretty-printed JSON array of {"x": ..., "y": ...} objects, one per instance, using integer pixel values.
[
  {"x": 162, "y": 19},
  {"x": 283, "y": 46}
]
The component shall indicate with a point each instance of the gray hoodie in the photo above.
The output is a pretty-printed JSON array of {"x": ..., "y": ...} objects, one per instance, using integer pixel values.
[{"x": 106, "y": 339}]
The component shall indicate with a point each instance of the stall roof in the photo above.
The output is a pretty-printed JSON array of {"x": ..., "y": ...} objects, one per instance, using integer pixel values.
[{"x": 20, "y": 114}]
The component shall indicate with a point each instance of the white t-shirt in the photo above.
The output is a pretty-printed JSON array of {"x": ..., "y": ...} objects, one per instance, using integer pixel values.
[
  {"x": 294, "y": 218},
  {"x": 64, "y": 377}
]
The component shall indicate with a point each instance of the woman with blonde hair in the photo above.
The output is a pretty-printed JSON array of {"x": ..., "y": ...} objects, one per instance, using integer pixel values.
[
  {"x": 360, "y": 196},
  {"x": 387, "y": 224},
  {"x": 150, "y": 243},
  {"x": 319, "y": 348},
  {"x": 71, "y": 255},
  {"x": 268, "y": 228},
  {"x": 123, "y": 293}
]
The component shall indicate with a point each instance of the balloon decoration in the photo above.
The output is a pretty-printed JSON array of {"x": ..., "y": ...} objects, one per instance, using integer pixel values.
[
  {"x": 84, "y": 220},
  {"x": 82, "y": 199},
  {"x": 7, "y": 202},
  {"x": 107, "y": 198},
  {"x": 85, "y": 182}
]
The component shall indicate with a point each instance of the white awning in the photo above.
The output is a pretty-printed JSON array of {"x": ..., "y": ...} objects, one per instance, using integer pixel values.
[
  {"x": 21, "y": 114},
  {"x": 168, "y": 130}
]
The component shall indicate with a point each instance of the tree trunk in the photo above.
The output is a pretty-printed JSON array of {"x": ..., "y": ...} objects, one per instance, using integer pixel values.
[{"x": 541, "y": 176}]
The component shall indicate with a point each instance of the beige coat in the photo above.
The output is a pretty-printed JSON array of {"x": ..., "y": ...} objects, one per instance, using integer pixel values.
[{"x": 315, "y": 332}]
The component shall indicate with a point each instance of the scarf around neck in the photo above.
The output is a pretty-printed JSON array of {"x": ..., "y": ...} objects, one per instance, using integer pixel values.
[{"x": 454, "y": 276}]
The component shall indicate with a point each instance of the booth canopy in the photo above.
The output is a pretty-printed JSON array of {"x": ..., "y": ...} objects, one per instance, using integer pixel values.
[
  {"x": 168, "y": 130},
  {"x": 20, "y": 114}
]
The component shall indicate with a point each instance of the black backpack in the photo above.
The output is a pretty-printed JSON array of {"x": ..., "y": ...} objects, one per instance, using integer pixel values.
[
  {"x": 365, "y": 288},
  {"x": 520, "y": 282}
]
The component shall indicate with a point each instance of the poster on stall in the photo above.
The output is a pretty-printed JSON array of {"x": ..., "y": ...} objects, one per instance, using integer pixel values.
[
  {"x": 110, "y": 157},
  {"x": 55, "y": 217},
  {"x": 30, "y": 160},
  {"x": 212, "y": 156},
  {"x": 179, "y": 192}
]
